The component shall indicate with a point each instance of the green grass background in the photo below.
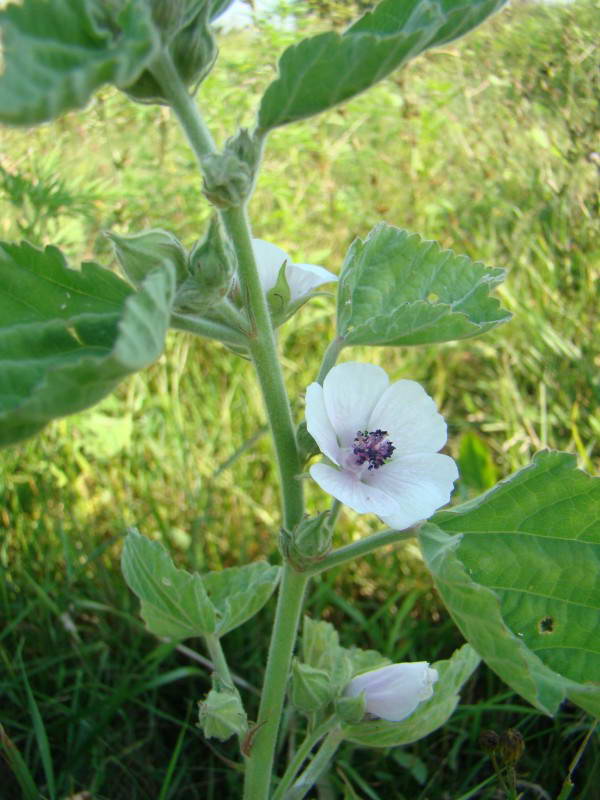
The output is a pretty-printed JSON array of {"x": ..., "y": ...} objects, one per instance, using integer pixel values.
[{"x": 489, "y": 146}]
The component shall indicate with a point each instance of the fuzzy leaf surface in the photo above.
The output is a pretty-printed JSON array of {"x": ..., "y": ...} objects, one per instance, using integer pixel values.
[
  {"x": 398, "y": 289},
  {"x": 518, "y": 570},
  {"x": 68, "y": 337},
  {"x": 58, "y": 52},
  {"x": 239, "y": 593},
  {"x": 174, "y": 602},
  {"x": 430, "y": 715},
  {"x": 326, "y": 69},
  {"x": 180, "y": 604}
]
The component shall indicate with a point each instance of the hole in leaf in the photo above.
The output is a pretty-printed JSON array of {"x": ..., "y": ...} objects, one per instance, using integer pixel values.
[
  {"x": 433, "y": 297},
  {"x": 546, "y": 625}
]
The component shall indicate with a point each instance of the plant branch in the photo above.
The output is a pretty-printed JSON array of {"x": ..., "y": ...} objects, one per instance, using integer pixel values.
[
  {"x": 361, "y": 548},
  {"x": 317, "y": 766},
  {"x": 301, "y": 755}
]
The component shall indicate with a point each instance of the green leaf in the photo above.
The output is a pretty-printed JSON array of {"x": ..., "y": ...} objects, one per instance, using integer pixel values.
[
  {"x": 429, "y": 715},
  {"x": 174, "y": 602},
  {"x": 68, "y": 337},
  {"x": 58, "y": 52},
  {"x": 398, "y": 289},
  {"x": 518, "y": 570},
  {"x": 239, "y": 593},
  {"x": 310, "y": 688},
  {"x": 180, "y": 604},
  {"x": 319, "y": 72}
]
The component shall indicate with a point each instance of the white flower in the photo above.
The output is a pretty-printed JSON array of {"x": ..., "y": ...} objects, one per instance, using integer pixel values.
[
  {"x": 301, "y": 278},
  {"x": 383, "y": 442},
  {"x": 395, "y": 691}
]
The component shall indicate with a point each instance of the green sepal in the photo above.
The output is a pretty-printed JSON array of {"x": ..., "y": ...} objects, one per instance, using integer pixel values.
[
  {"x": 68, "y": 337},
  {"x": 321, "y": 649},
  {"x": 221, "y": 715},
  {"x": 310, "y": 688},
  {"x": 518, "y": 569},
  {"x": 171, "y": 16},
  {"x": 398, "y": 289},
  {"x": 278, "y": 298},
  {"x": 140, "y": 254},
  {"x": 428, "y": 716},
  {"x": 193, "y": 51},
  {"x": 58, "y": 52},
  {"x": 351, "y": 710},
  {"x": 307, "y": 446}
]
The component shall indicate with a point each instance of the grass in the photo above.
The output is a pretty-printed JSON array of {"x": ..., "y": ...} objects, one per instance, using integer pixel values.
[{"x": 486, "y": 146}]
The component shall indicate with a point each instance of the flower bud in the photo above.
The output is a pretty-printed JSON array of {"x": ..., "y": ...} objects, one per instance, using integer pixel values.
[
  {"x": 227, "y": 179},
  {"x": 222, "y": 714},
  {"x": 192, "y": 49},
  {"x": 395, "y": 691},
  {"x": 142, "y": 253},
  {"x": 511, "y": 746},
  {"x": 309, "y": 542},
  {"x": 488, "y": 741},
  {"x": 211, "y": 266}
]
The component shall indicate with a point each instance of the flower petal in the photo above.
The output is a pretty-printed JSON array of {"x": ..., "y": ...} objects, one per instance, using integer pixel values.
[
  {"x": 269, "y": 260},
  {"x": 411, "y": 419},
  {"x": 303, "y": 278},
  {"x": 351, "y": 391},
  {"x": 318, "y": 423},
  {"x": 346, "y": 487},
  {"x": 419, "y": 483},
  {"x": 395, "y": 691}
]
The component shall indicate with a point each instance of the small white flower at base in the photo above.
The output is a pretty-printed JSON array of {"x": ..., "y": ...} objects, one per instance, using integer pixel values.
[
  {"x": 383, "y": 442},
  {"x": 394, "y": 692},
  {"x": 301, "y": 278}
]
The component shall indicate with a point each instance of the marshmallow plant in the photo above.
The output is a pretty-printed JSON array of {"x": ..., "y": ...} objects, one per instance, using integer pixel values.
[{"x": 515, "y": 567}]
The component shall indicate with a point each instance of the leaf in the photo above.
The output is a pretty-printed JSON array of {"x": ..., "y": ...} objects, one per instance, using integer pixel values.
[
  {"x": 429, "y": 715},
  {"x": 518, "y": 571},
  {"x": 174, "y": 602},
  {"x": 222, "y": 714},
  {"x": 398, "y": 289},
  {"x": 324, "y": 70},
  {"x": 68, "y": 337},
  {"x": 239, "y": 593},
  {"x": 58, "y": 52},
  {"x": 180, "y": 604}
]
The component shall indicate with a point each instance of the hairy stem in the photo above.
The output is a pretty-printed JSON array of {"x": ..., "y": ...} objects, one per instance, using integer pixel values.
[
  {"x": 317, "y": 766},
  {"x": 259, "y": 767}
]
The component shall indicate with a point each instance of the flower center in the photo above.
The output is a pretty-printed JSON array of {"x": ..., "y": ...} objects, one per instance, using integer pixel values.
[{"x": 372, "y": 446}]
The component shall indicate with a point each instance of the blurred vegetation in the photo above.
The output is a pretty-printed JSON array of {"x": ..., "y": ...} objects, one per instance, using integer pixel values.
[{"x": 489, "y": 146}]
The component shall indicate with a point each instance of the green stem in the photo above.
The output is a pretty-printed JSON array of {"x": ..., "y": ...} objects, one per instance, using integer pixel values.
[
  {"x": 331, "y": 356},
  {"x": 208, "y": 328},
  {"x": 317, "y": 766},
  {"x": 334, "y": 513},
  {"x": 264, "y": 354},
  {"x": 259, "y": 766},
  {"x": 301, "y": 755},
  {"x": 183, "y": 105},
  {"x": 361, "y": 548},
  {"x": 219, "y": 662}
]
